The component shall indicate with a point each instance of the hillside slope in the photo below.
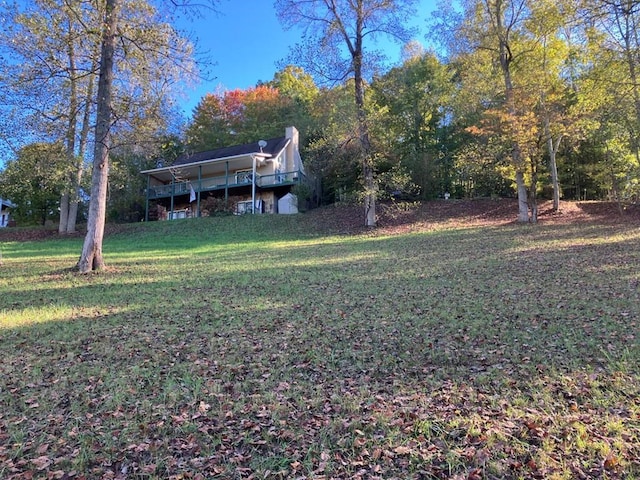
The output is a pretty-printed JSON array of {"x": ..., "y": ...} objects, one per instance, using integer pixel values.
[{"x": 348, "y": 218}]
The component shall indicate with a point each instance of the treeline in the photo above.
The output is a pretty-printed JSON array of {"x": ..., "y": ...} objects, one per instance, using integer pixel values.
[{"x": 525, "y": 98}]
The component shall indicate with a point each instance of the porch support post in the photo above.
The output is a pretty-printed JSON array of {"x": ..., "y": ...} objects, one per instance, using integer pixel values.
[
  {"x": 146, "y": 206},
  {"x": 199, "y": 189},
  {"x": 173, "y": 192},
  {"x": 253, "y": 186},
  {"x": 226, "y": 184}
]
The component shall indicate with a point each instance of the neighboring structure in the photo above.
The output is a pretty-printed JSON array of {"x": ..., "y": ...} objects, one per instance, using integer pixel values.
[
  {"x": 288, "y": 204},
  {"x": 5, "y": 207},
  {"x": 248, "y": 178}
]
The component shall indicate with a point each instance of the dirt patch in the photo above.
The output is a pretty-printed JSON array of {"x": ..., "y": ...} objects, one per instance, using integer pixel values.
[
  {"x": 349, "y": 219},
  {"x": 26, "y": 234}
]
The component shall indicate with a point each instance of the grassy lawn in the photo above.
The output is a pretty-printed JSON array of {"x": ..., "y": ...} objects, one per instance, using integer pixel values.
[{"x": 257, "y": 347}]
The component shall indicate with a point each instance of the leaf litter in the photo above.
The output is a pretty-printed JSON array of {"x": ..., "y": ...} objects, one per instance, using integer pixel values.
[{"x": 491, "y": 351}]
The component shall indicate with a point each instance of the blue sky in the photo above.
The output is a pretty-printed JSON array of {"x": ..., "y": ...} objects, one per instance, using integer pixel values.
[{"x": 246, "y": 40}]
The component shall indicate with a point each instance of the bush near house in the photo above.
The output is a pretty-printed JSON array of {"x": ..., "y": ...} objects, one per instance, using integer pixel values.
[{"x": 211, "y": 206}]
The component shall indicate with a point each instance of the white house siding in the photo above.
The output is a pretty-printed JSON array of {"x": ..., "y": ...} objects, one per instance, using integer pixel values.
[{"x": 5, "y": 214}]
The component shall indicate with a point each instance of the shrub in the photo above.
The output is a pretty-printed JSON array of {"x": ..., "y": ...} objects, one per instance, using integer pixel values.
[{"x": 212, "y": 206}]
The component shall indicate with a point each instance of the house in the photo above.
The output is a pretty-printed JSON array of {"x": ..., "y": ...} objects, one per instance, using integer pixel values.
[
  {"x": 248, "y": 178},
  {"x": 5, "y": 207}
]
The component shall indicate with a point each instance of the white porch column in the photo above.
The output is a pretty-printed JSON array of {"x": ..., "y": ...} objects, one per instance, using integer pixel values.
[{"x": 253, "y": 186}]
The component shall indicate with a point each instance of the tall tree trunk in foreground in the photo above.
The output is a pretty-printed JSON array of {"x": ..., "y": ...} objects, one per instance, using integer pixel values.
[{"x": 91, "y": 257}]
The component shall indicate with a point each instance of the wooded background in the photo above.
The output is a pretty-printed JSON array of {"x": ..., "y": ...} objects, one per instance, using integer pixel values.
[{"x": 534, "y": 99}]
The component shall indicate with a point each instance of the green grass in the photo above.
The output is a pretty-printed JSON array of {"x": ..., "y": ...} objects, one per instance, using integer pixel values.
[{"x": 232, "y": 347}]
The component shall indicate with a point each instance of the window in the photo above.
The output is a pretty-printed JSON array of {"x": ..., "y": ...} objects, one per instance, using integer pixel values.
[{"x": 244, "y": 207}]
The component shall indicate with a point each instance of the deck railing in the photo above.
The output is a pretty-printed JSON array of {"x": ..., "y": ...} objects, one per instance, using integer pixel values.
[{"x": 234, "y": 180}]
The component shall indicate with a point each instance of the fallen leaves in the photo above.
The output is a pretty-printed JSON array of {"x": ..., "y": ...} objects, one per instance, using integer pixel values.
[
  {"x": 501, "y": 353},
  {"x": 42, "y": 463}
]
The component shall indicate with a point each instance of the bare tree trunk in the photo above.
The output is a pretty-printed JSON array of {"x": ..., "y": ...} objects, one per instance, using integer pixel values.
[
  {"x": 533, "y": 196},
  {"x": 71, "y": 197},
  {"x": 521, "y": 186},
  {"x": 627, "y": 27},
  {"x": 71, "y": 134},
  {"x": 363, "y": 127},
  {"x": 552, "y": 148},
  {"x": 370, "y": 194},
  {"x": 553, "y": 166},
  {"x": 64, "y": 212},
  {"x": 91, "y": 257},
  {"x": 523, "y": 204},
  {"x": 367, "y": 160},
  {"x": 74, "y": 201}
]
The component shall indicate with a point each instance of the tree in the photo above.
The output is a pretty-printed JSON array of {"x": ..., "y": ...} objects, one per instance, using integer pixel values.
[
  {"x": 618, "y": 42},
  {"x": 52, "y": 77},
  {"x": 142, "y": 38},
  {"x": 609, "y": 93},
  {"x": 91, "y": 256},
  {"x": 297, "y": 85},
  {"x": 293, "y": 82},
  {"x": 239, "y": 116},
  {"x": 492, "y": 33},
  {"x": 531, "y": 111},
  {"x": 412, "y": 101},
  {"x": 209, "y": 127},
  {"x": 33, "y": 181},
  {"x": 54, "y": 48},
  {"x": 551, "y": 53},
  {"x": 500, "y": 20},
  {"x": 336, "y": 26},
  {"x": 331, "y": 152}
]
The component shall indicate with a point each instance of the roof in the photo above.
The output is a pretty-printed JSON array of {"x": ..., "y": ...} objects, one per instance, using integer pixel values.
[
  {"x": 7, "y": 203},
  {"x": 273, "y": 148},
  {"x": 203, "y": 163}
]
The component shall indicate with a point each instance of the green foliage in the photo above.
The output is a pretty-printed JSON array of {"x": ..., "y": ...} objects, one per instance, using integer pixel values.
[
  {"x": 409, "y": 105},
  {"x": 215, "y": 206},
  {"x": 126, "y": 201},
  {"x": 397, "y": 184},
  {"x": 304, "y": 193},
  {"x": 33, "y": 181},
  {"x": 332, "y": 151},
  {"x": 293, "y": 82},
  {"x": 479, "y": 171}
]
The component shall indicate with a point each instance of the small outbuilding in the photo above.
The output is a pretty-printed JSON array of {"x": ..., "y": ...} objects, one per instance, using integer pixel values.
[
  {"x": 288, "y": 204},
  {"x": 5, "y": 207}
]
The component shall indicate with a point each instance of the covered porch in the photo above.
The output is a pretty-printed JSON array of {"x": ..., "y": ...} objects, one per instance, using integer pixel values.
[{"x": 247, "y": 176}]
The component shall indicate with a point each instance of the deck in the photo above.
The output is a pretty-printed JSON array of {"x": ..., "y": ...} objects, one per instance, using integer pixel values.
[{"x": 235, "y": 180}]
